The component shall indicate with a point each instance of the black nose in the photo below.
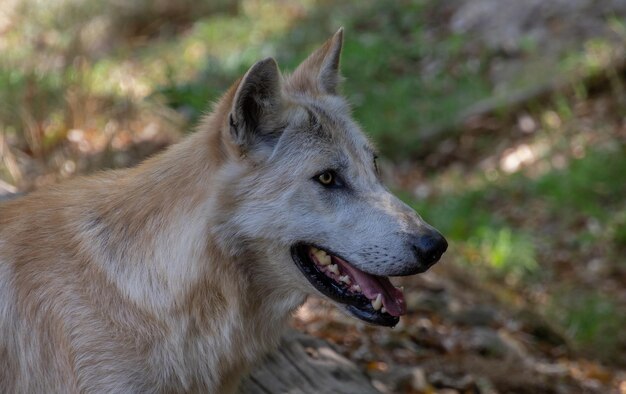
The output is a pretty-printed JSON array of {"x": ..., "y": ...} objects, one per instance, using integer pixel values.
[{"x": 429, "y": 247}]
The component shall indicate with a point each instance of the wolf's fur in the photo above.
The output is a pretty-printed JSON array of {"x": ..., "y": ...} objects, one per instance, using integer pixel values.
[{"x": 176, "y": 275}]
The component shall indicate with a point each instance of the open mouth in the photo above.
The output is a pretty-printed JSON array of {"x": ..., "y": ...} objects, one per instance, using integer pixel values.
[{"x": 369, "y": 297}]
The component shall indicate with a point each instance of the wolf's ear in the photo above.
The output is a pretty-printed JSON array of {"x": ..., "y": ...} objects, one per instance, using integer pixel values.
[
  {"x": 319, "y": 73},
  {"x": 257, "y": 106}
]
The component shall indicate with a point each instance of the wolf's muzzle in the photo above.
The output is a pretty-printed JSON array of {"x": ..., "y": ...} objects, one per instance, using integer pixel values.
[{"x": 428, "y": 248}]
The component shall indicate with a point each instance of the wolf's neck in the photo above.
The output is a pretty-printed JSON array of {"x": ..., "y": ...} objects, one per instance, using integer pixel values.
[
  {"x": 167, "y": 259},
  {"x": 158, "y": 237},
  {"x": 150, "y": 225}
]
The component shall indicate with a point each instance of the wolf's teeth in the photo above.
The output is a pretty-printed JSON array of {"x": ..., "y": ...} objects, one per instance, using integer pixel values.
[
  {"x": 334, "y": 269},
  {"x": 383, "y": 310},
  {"x": 322, "y": 257},
  {"x": 356, "y": 288},
  {"x": 345, "y": 279},
  {"x": 378, "y": 302}
]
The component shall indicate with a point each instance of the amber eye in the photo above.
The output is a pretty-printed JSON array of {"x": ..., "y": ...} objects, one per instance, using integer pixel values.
[{"x": 326, "y": 178}]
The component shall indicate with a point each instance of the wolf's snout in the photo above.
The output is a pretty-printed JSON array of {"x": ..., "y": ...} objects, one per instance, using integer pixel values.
[{"x": 428, "y": 249}]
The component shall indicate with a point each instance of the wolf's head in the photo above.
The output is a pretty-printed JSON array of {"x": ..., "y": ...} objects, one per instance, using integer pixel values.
[{"x": 303, "y": 197}]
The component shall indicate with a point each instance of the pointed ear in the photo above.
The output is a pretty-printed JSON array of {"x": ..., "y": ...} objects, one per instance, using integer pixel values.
[
  {"x": 319, "y": 73},
  {"x": 257, "y": 106}
]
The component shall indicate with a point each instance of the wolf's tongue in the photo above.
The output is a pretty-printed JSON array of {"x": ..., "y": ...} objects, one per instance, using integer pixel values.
[{"x": 393, "y": 299}]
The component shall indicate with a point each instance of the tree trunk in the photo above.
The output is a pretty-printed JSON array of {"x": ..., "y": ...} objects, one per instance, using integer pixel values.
[{"x": 302, "y": 365}]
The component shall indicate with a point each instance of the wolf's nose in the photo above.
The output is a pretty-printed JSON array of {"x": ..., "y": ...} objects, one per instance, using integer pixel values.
[{"x": 429, "y": 248}]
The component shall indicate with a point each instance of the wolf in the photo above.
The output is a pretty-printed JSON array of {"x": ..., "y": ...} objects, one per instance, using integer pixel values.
[{"x": 178, "y": 274}]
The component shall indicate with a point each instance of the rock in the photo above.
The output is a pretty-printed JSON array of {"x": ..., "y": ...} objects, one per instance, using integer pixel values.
[
  {"x": 462, "y": 383},
  {"x": 448, "y": 391},
  {"x": 486, "y": 342},
  {"x": 427, "y": 301},
  {"x": 555, "y": 24},
  {"x": 542, "y": 330},
  {"x": 480, "y": 315},
  {"x": 381, "y": 387},
  {"x": 418, "y": 379}
]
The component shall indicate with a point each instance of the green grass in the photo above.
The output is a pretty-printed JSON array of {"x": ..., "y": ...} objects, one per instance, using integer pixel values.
[
  {"x": 499, "y": 246},
  {"x": 593, "y": 320},
  {"x": 402, "y": 79},
  {"x": 483, "y": 240},
  {"x": 507, "y": 252},
  {"x": 588, "y": 186},
  {"x": 385, "y": 72},
  {"x": 496, "y": 246},
  {"x": 458, "y": 216}
]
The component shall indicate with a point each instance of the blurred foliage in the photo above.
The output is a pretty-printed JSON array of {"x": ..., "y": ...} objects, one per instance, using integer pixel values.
[
  {"x": 584, "y": 203},
  {"x": 398, "y": 60},
  {"x": 589, "y": 186},
  {"x": 381, "y": 59},
  {"x": 536, "y": 203},
  {"x": 593, "y": 319}
]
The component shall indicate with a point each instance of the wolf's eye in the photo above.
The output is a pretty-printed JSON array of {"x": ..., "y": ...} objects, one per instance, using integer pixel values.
[
  {"x": 326, "y": 178},
  {"x": 376, "y": 165},
  {"x": 329, "y": 179}
]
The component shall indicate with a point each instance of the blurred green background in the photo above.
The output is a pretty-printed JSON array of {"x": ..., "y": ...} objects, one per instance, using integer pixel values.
[{"x": 503, "y": 123}]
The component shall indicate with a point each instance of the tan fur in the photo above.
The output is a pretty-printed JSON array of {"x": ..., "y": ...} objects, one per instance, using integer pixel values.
[
  {"x": 318, "y": 74},
  {"x": 176, "y": 275},
  {"x": 115, "y": 283}
]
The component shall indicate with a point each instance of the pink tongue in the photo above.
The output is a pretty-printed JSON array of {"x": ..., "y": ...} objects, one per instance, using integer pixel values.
[{"x": 393, "y": 299}]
